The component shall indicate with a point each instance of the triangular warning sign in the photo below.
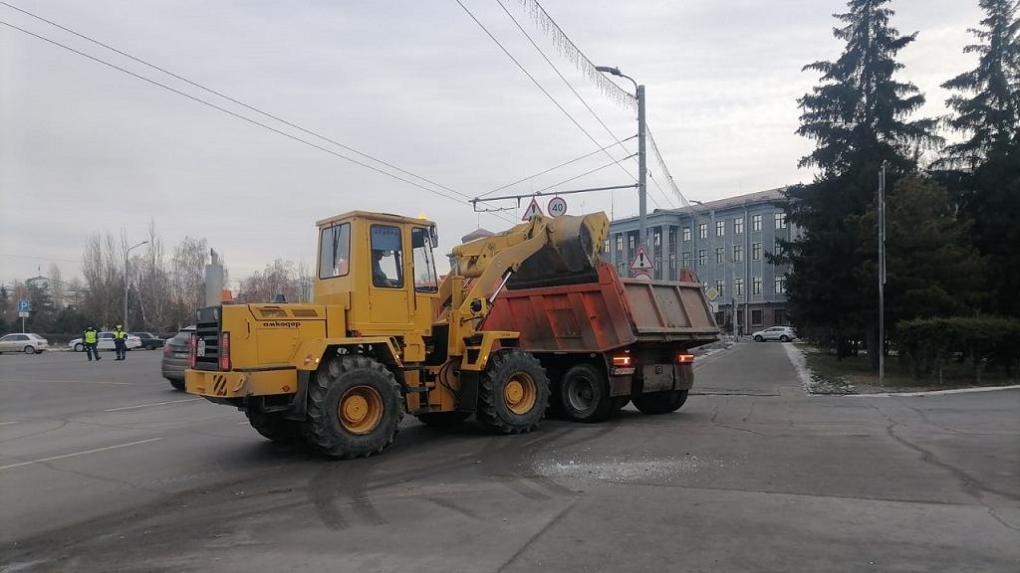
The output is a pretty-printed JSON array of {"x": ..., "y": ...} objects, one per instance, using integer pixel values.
[
  {"x": 641, "y": 261},
  {"x": 533, "y": 209}
]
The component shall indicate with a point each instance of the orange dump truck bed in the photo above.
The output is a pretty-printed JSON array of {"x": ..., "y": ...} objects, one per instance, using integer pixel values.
[{"x": 606, "y": 314}]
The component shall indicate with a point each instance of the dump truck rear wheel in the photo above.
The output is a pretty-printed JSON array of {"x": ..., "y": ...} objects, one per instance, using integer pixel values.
[
  {"x": 660, "y": 402},
  {"x": 443, "y": 419},
  {"x": 620, "y": 402},
  {"x": 513, "y": 393},
  {"x": 354, "y": 408},
  {"x": 273, "y": 426},
  {"x": 584, "y": 394}
]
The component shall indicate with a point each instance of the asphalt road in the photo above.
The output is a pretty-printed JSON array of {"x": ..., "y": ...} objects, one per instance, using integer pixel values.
[{"x": 103, "y": 467}]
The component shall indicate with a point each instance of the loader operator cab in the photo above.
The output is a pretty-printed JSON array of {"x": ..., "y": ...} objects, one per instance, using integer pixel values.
[{"x": 381, "y": 267}]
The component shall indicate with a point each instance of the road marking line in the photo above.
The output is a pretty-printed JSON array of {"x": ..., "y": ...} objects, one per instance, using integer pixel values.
[
  {"x": 82, "y": 453},
  {"x": 26, "y": 381},
  {"x": 7, "y": 423},
  {"x": 152, "y": 404}
]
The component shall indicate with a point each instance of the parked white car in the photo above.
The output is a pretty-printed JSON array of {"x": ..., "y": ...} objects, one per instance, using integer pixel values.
[
  {"x": 23, "y": 342},
  {"x": 780, "y": 333},
  {"x": 105, "y": 342}
]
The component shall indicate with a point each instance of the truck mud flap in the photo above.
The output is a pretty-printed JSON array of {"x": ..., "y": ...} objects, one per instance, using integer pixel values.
[
  {"x": 299, "y": 405},
  {"x": 657, "y": 377}
]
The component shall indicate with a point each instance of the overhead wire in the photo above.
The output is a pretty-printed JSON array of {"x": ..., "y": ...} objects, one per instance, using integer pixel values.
[
  {"x": 551, "y": 169},
  {"x": 464, "y": 197},
  {"x": 531, "y": 77},
  {"x": 567, "y": 82}
]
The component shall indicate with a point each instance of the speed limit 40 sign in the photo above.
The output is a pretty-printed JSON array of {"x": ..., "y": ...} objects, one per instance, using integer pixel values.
[{"x": 557, "y": 206}]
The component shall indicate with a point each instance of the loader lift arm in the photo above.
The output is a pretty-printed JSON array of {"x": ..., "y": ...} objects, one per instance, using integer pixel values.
[{"x": 542, "y": 248}]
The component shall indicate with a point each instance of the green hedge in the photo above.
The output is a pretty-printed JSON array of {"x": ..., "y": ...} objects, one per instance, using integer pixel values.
[{"x": 930, "y": 343}]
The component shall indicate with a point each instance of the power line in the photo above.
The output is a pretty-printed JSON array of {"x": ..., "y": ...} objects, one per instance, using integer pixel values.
[
  {"x": 589, "y": 172},
  {"x": 245, "y": 118},
  {"x": 540, "y": 173},
  {"x": 567, "y": 82},
  {"x": 665, "y": 169},
  {"x": 532, "y": 78},
  {"x": 229, "y": 98}
]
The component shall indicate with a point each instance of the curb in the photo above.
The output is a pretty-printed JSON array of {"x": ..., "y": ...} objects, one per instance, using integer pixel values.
[{"x": 930, "y": 392}]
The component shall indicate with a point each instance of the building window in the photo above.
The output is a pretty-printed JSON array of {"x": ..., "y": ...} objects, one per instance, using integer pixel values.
[
  {"x": 738, "y": 253},
  {"x": 755, "y": 251},
  {"x": 621, "y": 269},
  {"x": 756, "y": 286},
  {"x": 672, "y": 261},
  {"x": 687, "y": 233},
  {"x": 703, "y": 231},
  {"x": 631, "y": 239},
  {"x": 619, "y": 242},
  {"x": 738, "y": 287},
  {"x": 657, "y": 238},
  {"x": 720, "y": 228},
  {"x": 720, "y": 287},
  {"x": 756, "y": 317},
  {"x": 738, "y": 226},
  {"x": 780, "y": 285},
  {"x": 780, "y": 220},
  {"x": 702, "y": 259},
  {"x": 755, "y": 222},
  {"x": 605, "y": 247},
  {"x": 686, "y": 259},
  {"x": 779, "y": 317},
  {"x": 719, "y": 255}
]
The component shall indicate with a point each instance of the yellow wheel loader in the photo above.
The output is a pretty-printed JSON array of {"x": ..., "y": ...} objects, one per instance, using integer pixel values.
[{"x": 384, "y": 336}]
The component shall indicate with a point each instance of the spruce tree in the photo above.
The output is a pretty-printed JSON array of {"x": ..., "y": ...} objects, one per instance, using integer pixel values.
[
  {"x": 987, "y": 106},
  {"x": 859, "y": 117}
]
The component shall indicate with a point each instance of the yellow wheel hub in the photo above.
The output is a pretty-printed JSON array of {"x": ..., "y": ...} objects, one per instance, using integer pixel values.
[
  {"x": 360, "y": 409},
  {"x": 520, "y": 393}
]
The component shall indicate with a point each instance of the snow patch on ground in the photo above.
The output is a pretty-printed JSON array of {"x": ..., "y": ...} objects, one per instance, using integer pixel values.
[
  {"x": 635, "y": 470},
  {"x": 813, "y": 384}
]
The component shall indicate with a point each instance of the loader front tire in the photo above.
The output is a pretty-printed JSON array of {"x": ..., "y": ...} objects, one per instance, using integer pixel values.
[
  {"x": 273, "y": 426},
  {"x": 513, "y": 393},
  {"x": 660, "y": 402},
  {"x": 354, "y": 408}
]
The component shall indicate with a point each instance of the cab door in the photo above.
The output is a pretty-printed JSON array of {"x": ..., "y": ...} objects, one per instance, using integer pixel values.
[{"x": 389, "y": 303}]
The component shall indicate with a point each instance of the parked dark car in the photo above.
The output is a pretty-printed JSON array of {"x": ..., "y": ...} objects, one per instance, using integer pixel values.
[
  {"x": 175, "y": 357},
  {"x": 149, "y": 340}
]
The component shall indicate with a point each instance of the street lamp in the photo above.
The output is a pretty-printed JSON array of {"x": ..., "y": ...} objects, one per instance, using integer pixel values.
[
  {"x": 639, "y": 95},
  {"x": 126, "y": 274}
]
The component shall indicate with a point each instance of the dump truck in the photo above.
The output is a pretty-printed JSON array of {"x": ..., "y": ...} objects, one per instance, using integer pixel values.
[
  {"x": 605, "y": 341},
  {"x": 383, "y": 336}
]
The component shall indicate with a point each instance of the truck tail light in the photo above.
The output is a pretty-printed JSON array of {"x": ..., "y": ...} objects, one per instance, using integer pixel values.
[
  {"x": 684, "y": 358},
  {"x": 622, "y": 361},
  {"x": 192, "y": 350},
  {"x": 225, "y": 351}
]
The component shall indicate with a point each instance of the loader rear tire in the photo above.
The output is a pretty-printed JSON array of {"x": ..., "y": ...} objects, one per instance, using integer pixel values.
[
  {"x": 443, "y": 419},
  {"x": 273, "y": 426},
  {"x": 584, "y": 394},
  {"x": 660, "y": 402},
  {"x": 354, "y": 408},
  {"x": 513, "y": 393}
]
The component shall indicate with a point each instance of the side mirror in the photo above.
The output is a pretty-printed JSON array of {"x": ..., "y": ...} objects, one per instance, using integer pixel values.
[{"x": 434, "y": 236}]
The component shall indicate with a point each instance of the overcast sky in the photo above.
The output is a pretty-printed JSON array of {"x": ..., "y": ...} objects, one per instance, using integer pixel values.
[{"x": 84, "y": 148}]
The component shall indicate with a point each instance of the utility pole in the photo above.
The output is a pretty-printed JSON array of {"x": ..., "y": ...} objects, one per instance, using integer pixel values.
[
  {"x": 881, "y": 275},
  {"x": 642, "y": 169},
  {"x": 126, "y": 275}
]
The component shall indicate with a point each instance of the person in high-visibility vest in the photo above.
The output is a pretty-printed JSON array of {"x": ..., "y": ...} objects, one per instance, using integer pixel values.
[
  {"x": 120, "y": 342},
  {"x": 90, "y": 339}
]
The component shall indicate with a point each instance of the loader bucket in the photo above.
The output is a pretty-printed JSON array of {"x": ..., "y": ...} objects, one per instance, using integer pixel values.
[{"x": 571, "y": 255}]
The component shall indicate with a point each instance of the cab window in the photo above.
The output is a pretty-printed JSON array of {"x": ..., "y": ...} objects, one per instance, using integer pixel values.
[
  {"x": 387, "y": 257},
  {"x": 335, "y": 251},
  {"x": 424, "y": 264}
]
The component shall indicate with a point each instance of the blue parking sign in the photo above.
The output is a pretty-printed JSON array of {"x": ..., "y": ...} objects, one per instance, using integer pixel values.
[{"x": 24, "y": 305}]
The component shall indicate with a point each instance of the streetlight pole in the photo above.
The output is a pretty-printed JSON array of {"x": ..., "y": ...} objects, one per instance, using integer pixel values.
[
  {"x": 126, "y": 274},
  {"x": 881, "y": 276},
  {"x": 639, "y": 95}
]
